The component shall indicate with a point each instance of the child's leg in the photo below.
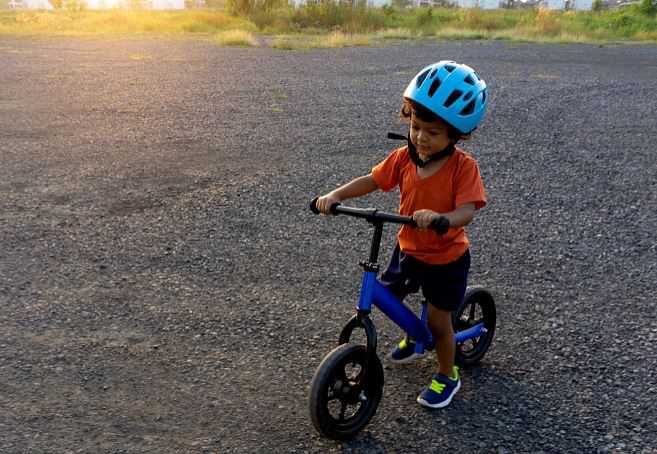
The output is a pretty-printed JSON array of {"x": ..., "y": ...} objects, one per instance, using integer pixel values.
[
  {"x": 444, "y": 287},
  {"x": 440, "y": 324},
  {"x": 445, "y": 383}
]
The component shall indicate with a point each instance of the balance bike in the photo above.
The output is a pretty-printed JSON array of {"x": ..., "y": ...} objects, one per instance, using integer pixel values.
[{"x": 348, "y": 384}]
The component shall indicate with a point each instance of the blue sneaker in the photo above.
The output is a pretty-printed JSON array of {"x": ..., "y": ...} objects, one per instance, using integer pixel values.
[
  {"x": 441, "y": 390},
  {"x": 404, "y": 352}
]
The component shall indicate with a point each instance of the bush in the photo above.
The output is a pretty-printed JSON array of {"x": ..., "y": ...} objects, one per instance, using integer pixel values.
[
  {"x": 477, "y": 19},
  {"x": 547, "y": 23},
  {"x": 248, "y": 7},
  {"x": 648, "y": 7},
  {"x": 240, "y": 7}
]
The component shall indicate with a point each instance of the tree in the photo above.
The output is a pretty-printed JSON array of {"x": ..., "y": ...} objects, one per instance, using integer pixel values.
[
  {"x": 240, "y": 7},
  {"x": 648, "y": 7}
]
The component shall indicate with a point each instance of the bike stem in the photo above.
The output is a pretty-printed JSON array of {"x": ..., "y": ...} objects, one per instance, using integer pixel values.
[{"x": 372, "y": 264}]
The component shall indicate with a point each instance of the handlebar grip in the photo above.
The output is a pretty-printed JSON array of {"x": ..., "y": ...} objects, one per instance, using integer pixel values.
[
  {"x": 313, "y": 206},
  {"x": 440, "y": 225}
]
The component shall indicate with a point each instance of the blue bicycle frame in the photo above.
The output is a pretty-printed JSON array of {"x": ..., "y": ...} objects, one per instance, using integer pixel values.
[{"x": 374, "y": 293}]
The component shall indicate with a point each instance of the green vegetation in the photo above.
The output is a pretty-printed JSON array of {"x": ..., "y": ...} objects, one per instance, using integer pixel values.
[
  {"x": 331, "y": 40},
  {"x": 238, "y": 38},
  {"x": 68, "y": 22},
  {"x": 333, "y": 25}
]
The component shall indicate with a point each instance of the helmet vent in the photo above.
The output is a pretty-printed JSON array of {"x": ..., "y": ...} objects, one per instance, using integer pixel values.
[
  {"x": 421, "y": 78},
  {"x": 433, "y": 73},
  {"x": 468, "y": 80},
  {"x": 467, "y": 96},
  {"x": 483, "y": 97},
  {"x": 450, "y": 68},
  {"x": 456, "y": 94},
  {"x": 467, "y": 110},
  {"x": 434, "y": 87}
]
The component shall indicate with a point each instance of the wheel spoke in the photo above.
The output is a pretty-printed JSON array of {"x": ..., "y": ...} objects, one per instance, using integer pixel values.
[
  {"x": 343, "y": 410},
  {"x": 358, "y": 379}
]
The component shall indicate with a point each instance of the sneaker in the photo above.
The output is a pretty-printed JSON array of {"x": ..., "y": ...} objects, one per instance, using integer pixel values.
[
  {"x": 441, "y": 390},
  {"x": 404, "y": 352}
]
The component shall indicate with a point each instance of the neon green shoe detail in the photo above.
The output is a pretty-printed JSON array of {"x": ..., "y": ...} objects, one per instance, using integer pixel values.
[
  {"x": 455, "y": 373},
  {"x": 440, "y": 392},
  {"x": 437, "y": 387},
  {"x": 404, "y": 352}
]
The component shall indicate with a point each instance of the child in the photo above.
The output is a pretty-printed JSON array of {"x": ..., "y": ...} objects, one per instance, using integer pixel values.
[{"x": 444, "y": 103}]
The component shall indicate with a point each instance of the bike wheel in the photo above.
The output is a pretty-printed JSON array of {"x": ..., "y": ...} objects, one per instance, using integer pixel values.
[
  {"x": 345, "y": 392},
  {"x": 477, "y": 307}
]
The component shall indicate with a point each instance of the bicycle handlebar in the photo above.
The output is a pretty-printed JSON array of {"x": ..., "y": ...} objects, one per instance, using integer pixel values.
[{"x": 440, "y": 225}]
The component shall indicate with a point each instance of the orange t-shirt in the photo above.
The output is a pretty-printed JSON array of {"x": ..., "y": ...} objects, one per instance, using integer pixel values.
[{"x": 456, "y": 183}]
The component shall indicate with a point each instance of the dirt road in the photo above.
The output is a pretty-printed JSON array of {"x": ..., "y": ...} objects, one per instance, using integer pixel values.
[{"x": 163, "y": 288}]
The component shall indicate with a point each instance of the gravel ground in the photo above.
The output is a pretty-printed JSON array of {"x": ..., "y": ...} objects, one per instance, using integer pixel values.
[{"x": 164, "y": 289}]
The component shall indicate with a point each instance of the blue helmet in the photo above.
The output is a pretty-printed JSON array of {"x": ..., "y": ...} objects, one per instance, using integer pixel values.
[{"x": 453, "y": 91}]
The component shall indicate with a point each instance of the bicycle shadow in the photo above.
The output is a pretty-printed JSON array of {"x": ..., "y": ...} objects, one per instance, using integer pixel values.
[{"x": 494, "y": 410}]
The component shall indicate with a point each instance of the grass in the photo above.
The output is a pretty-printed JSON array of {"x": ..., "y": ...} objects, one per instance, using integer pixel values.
[
  {"x": 239, "y": 38},
  {"x": 327, "y": 41},
  {"x": 119, "y": 22},
  {"x": 395, "y": 33},
  {"x": 332, "y": 26}
]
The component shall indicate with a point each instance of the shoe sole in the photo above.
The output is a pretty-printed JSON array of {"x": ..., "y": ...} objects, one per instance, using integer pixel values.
[
  {"x": 410, "y": 359},
  {"x": 442, "y": 404}
]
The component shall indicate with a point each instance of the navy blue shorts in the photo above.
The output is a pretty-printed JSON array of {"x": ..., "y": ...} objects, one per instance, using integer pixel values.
[{"x": 443, "y": 286}]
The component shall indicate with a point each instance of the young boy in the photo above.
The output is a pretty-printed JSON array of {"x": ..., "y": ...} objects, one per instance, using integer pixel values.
[{"x": 444, "y": 103}]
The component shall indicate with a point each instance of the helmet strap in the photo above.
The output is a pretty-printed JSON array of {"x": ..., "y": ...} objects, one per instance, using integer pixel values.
[{"x": 415, "y": 157}]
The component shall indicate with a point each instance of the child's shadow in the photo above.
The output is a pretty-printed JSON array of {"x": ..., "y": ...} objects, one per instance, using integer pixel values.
[{"x": 493, "y": 409}]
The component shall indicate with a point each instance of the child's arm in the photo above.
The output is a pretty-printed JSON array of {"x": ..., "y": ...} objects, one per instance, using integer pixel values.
[
  {"x": 460, "y": 217},
  {"x": 355, "y": 188}
]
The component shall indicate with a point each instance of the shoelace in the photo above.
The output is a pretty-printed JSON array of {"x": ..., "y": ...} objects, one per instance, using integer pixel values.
[{"x": 437, "y": 387}]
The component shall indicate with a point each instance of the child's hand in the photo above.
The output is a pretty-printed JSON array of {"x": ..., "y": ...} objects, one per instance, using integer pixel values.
[
  {"x": 423, "y": 218},
  {"x": 325, "y": 202}
]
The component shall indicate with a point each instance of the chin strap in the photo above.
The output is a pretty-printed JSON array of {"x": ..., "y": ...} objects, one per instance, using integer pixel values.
[{"x": 448, "y": 150}]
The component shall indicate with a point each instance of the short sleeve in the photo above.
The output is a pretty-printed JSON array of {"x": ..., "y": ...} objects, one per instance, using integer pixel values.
[
  {"x": 469, "y": 185},
  {"x": 386, "y": 174}
]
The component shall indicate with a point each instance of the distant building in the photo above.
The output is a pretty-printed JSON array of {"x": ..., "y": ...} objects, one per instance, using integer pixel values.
[
  {"x": 581, "y": 5},
  {"x": 168, "y": 4},
  {"x": 104, "y": 4},
  {"x": 490, "y": 4},
  {"x": 34, "y": 4}
]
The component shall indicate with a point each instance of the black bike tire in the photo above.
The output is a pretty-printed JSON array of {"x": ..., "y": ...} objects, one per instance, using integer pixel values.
[
  {"x": 317, "y": 397},
  {"x": 490, "y": 319}
]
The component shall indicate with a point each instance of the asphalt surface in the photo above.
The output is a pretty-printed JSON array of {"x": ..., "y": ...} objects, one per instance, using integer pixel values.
[{"x": 164, "y": 289}]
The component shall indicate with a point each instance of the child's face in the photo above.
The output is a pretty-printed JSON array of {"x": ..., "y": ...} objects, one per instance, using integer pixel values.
[{"x": 429, "y": 137}]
